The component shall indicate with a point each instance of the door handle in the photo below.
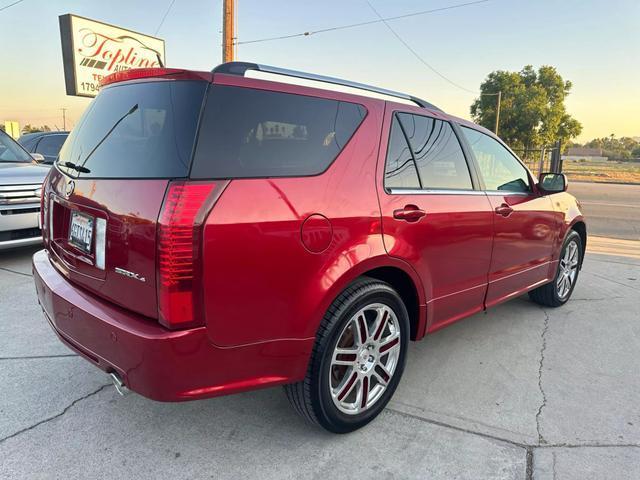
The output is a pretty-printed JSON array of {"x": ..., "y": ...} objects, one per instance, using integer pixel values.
[
  {"x": 504, "y": 210},
  {"x": 410, "y": 213}
]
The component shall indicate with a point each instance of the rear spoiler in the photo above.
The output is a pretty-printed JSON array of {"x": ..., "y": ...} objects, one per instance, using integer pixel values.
[{"x": 140, "y": 73}]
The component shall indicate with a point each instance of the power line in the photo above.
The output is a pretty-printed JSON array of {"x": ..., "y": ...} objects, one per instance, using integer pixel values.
[
  {"x": 424, "y": 62},
  {"x": 361, "y": 24},
  {"x": 415, "y": 54},
  {"x": 164, "y": 16},
  {"x": 11, "y": 5}
]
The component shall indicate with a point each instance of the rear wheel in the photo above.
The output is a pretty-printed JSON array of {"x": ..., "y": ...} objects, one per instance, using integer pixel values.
[
  {"x": 559, "y": 291},
  {"x": 358, "y": 358}
]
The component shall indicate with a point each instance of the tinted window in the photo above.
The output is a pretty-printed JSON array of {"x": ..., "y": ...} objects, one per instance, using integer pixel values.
[
  {"x": 257, "y": 133},
  {"x": 437, "y": 151},
  {"x": 400, "y": 169},
  {"x": 50, "y": 145},
  {"x": 10, "y": 151},
  {"x": 141, "y": 130},
  {"x": 28, "y": 143},
  {"x": 499, "y": 169}
]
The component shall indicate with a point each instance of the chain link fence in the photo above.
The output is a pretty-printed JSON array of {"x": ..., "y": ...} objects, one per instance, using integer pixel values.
[{"x": 538, "y": 160}]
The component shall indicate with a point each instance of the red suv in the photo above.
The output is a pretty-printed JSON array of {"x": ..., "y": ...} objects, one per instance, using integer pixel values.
[{"x": 211, "y": 233}]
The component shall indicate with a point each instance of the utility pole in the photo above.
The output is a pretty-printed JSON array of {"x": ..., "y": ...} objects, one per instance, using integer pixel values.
[
  {"x": 64, "y": 118},
  {"x": 498, "y": 112},
  {"x": 228, "y": 30}
]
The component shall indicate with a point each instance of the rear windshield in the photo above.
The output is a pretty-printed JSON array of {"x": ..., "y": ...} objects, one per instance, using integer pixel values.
[
  {"x": 141, "y": 130},
  {"x": 247, "y": 133}
]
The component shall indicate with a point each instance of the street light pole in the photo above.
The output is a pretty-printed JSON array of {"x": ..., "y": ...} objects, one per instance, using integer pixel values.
[
  {"x": 228, "y": 30},
  {"x": 64, "y": 118}
]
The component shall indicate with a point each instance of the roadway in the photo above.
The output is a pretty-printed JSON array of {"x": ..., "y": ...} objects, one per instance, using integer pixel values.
[{"x": 611, "y": 210}]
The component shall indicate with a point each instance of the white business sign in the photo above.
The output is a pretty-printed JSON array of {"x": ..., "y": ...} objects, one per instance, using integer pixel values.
[{"x": 91, "y": 50}]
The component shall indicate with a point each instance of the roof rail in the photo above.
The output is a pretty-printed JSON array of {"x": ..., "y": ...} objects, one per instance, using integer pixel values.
[{"x": 239, "y": 68}]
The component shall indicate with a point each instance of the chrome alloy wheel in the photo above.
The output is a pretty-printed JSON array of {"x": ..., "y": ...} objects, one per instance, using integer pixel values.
[
  {"x": 568, "y": 269},
  {"x": 364, "y": 359}
]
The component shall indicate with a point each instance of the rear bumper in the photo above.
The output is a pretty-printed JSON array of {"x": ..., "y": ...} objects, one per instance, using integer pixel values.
[{"x": 155, "y": 362}]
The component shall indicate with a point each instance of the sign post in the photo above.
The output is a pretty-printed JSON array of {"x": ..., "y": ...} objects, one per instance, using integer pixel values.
[
  {"x": 92, "y": 50},
  {"x": 12, "y": 129}
]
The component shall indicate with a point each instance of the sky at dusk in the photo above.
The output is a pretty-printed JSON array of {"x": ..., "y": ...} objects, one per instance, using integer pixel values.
[{"x": 593, "y": 43}]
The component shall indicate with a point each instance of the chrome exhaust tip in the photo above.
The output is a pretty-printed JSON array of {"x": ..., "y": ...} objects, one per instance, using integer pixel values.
[{"x": 121, "y": 388}]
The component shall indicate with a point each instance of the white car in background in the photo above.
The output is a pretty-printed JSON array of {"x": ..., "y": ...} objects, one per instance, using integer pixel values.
[{"x": 20, "y": 187}]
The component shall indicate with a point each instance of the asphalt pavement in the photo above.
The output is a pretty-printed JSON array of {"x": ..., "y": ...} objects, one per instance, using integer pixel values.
[
  {"x": 612, "y": 210},
  {"x": 520, "y": 392}
]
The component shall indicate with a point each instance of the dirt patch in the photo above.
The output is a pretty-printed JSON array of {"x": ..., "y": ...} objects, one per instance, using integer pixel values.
[{"x": 618, "y": 172}]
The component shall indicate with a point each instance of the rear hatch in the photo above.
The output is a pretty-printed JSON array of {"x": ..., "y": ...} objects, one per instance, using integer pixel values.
[{"x": 106, "y": 191}]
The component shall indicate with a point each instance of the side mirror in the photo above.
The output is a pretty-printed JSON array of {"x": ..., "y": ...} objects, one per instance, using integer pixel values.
[
  {"x": 553, "y": 182},
  {"x": 38, "y": 157}
]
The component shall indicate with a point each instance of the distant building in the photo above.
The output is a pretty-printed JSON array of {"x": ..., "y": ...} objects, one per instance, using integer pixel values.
[{"x": 583, "y": 153}]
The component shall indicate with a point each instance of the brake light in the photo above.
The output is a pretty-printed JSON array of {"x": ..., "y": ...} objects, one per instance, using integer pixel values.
[
  {"x": 186, "y": 206},
  {"x": 44, "y": 208},
  {"x": 42, "y": 217},
  {"x": 137, "y": 73}
]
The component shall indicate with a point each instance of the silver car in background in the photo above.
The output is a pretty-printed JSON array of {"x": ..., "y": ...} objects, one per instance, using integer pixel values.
[{"x": 20, "y": 188}]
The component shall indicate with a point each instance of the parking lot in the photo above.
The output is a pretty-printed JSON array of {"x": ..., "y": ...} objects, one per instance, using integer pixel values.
[{"x": 519, "y": 392}]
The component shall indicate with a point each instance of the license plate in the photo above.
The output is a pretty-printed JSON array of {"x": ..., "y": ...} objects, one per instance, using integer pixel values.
[{"x": 81, "y": 231}]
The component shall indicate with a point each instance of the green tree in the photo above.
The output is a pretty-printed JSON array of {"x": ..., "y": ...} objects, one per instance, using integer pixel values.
[
  {"x": 616, "y": 148},
  {"x": 28, "y": 128},
  {"x": 532, "y": 110}
]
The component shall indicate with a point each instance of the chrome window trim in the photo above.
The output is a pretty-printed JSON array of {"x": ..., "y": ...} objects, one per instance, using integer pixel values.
[
  {"x": 426, "y": 191},
  {"x": 507, "y": 192}
]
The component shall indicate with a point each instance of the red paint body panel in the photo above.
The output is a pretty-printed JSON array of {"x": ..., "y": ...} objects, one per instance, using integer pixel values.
[
  {"x": 568, "y": 213},
  {"x": 275, "y": 254},
  {"x": 522, "y": 246},
  {"x": 254, "y": 232},
  {"x": 450, "y": 247},
  {"x": 131, "y": 209},
  {"x": 156, "y": 362}
]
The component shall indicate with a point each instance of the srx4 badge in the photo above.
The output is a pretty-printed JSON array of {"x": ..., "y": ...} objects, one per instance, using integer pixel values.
[{"x": 127, "y": 273}]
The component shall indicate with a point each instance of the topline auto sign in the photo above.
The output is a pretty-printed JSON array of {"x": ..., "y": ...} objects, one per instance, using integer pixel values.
[{"x": 92, "y": 50}]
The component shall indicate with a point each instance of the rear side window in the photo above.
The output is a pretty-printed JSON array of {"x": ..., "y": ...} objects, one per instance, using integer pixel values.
[
  {"x": 400, "y": 169},
  {"x": 247, "y": 133},
  {"x": 139, "y": 130},
  {"x": 28, "y": 143},
  {"x": 437, "y": 151},
  {"x": 50, "y": 145}
]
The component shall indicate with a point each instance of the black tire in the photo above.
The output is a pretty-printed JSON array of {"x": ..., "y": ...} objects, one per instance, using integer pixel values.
[
  {"x": 548, "y": 294},
  {"x": 311, "y": 397}
]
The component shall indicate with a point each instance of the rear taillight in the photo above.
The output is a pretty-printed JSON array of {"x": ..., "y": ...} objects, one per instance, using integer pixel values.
[
  {"x": 44, "y": 208},
  {"x": 186, "y": 206},
  {"x": 43, "y": 212}
]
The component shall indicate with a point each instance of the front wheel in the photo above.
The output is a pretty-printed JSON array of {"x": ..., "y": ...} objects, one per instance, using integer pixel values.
[
  {"x": 557, "y": 293},
  {"x": 357, "y": 360}
]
